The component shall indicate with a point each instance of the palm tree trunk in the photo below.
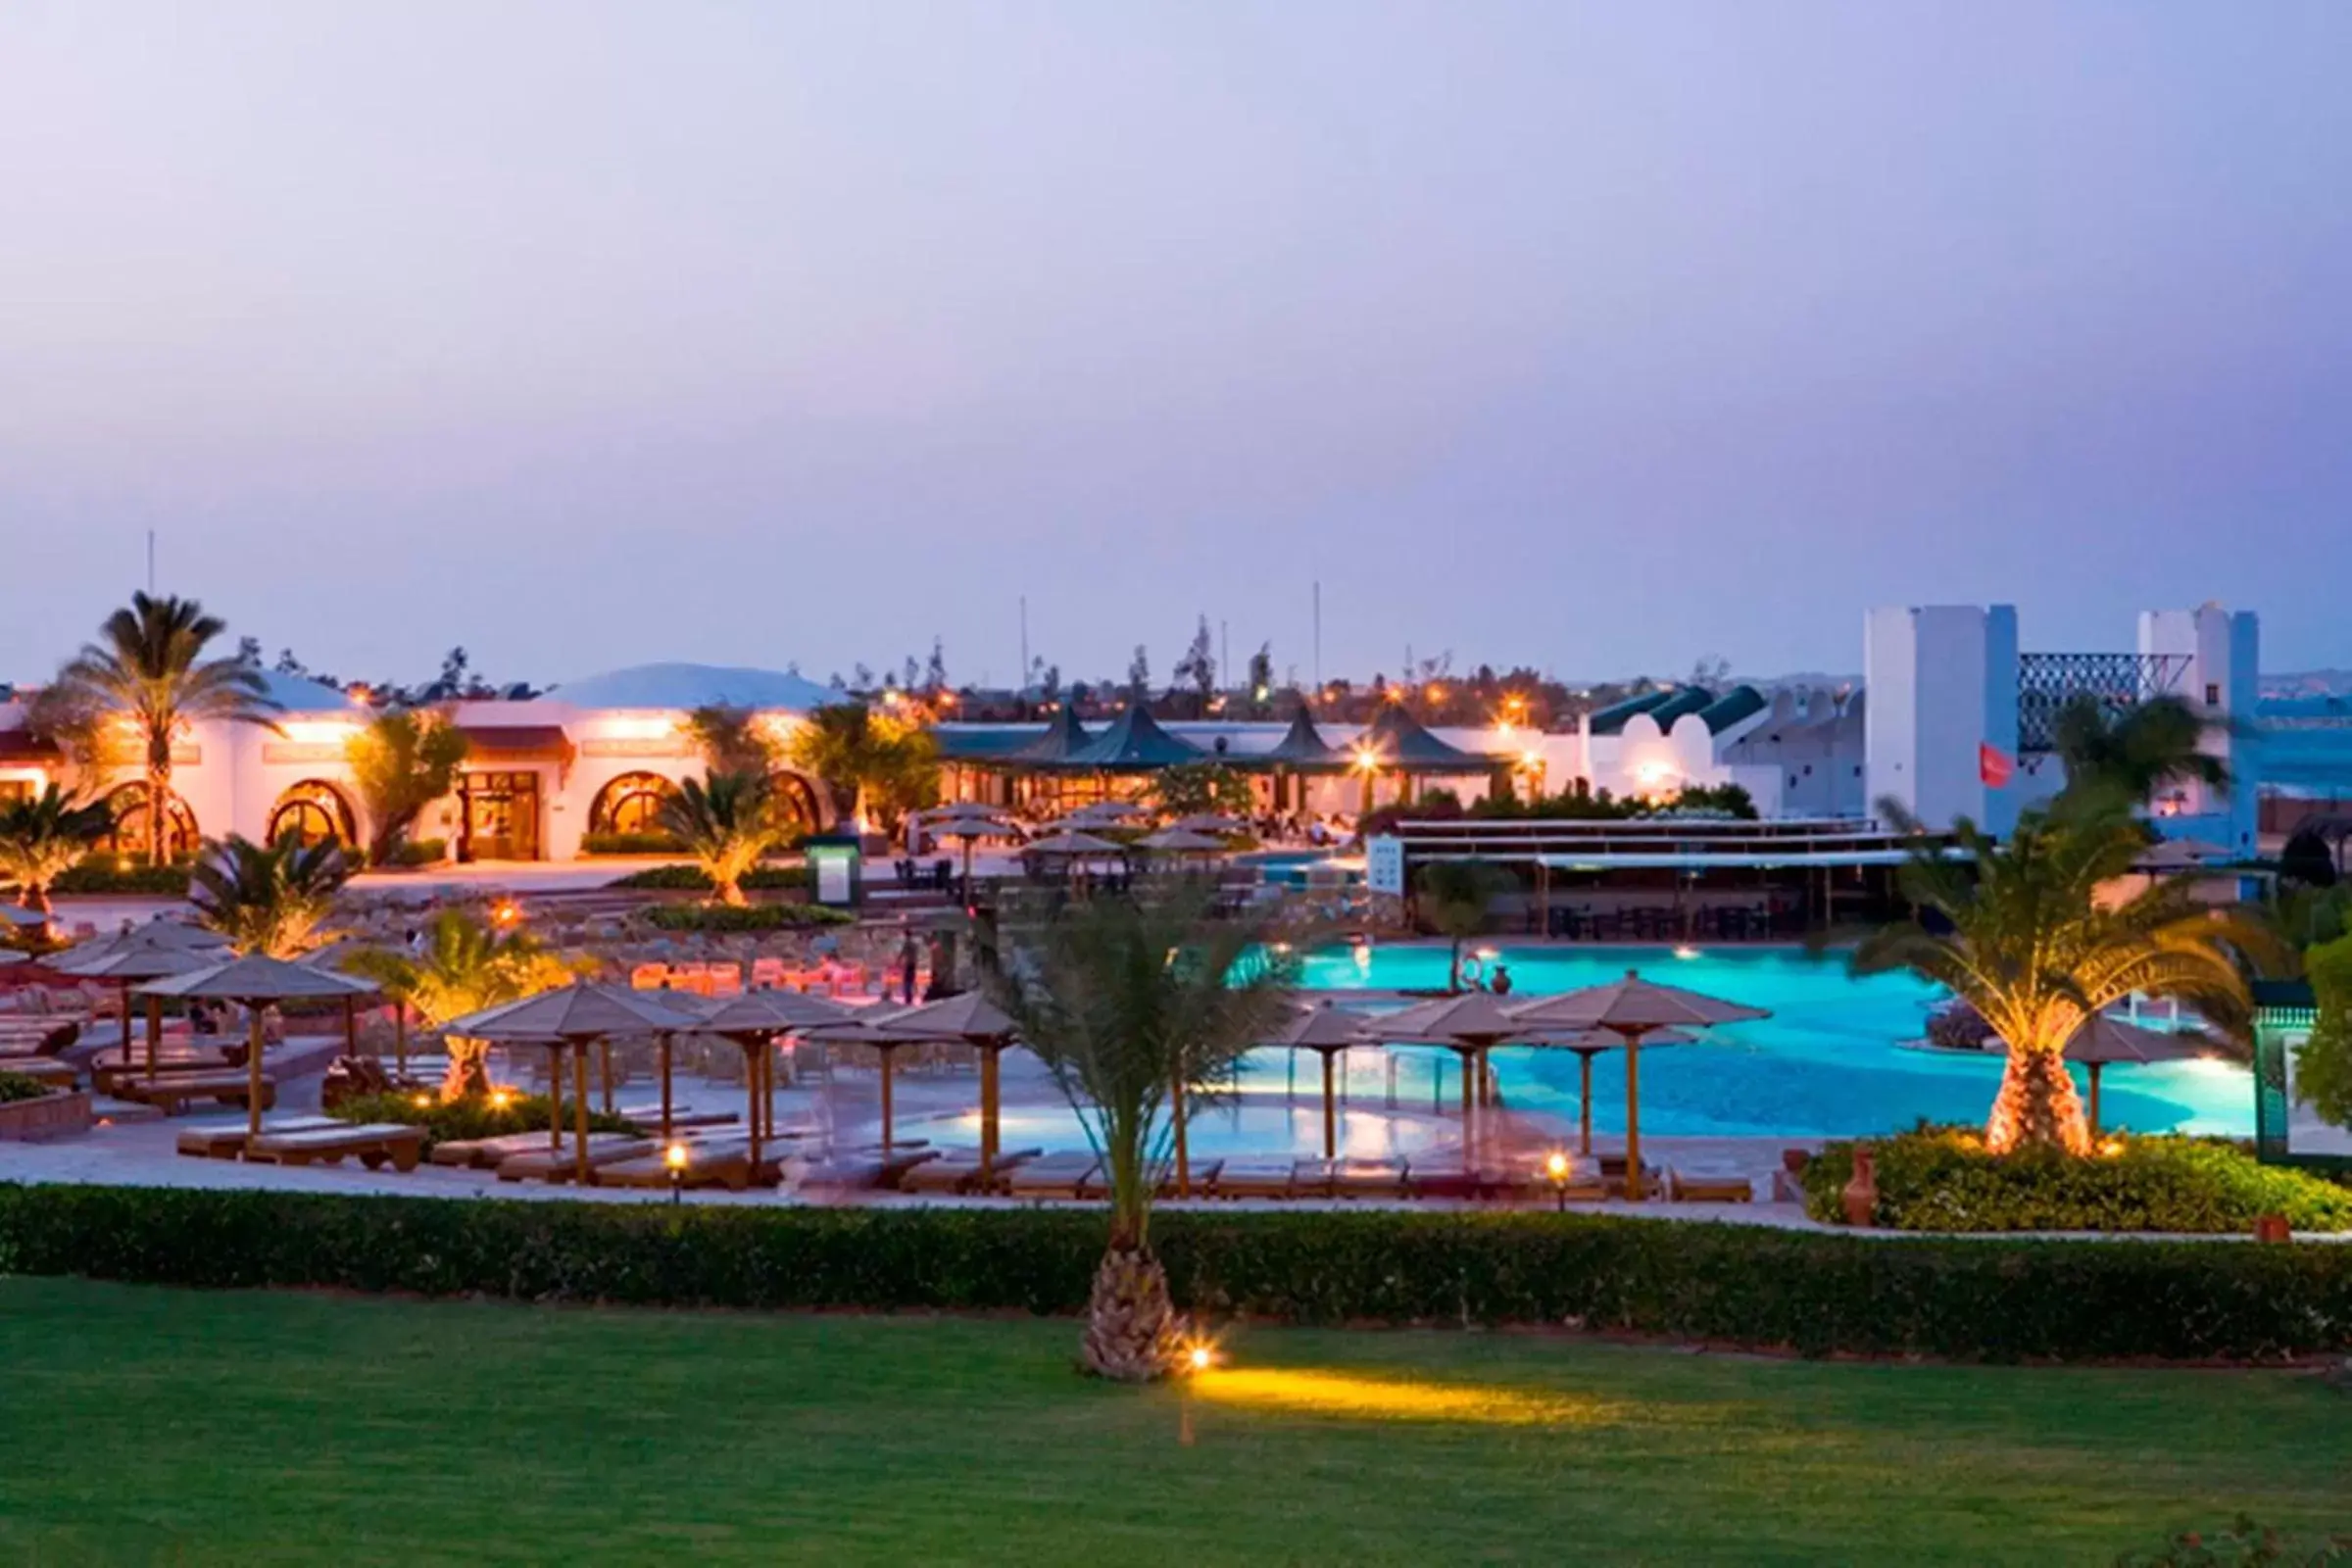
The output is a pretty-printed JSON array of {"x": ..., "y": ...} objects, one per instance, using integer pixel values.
[
  {"x": 1131, "y": 1331},
  {"x": 2038, "y": 1106},
  {"x": 159, "y": 796}
]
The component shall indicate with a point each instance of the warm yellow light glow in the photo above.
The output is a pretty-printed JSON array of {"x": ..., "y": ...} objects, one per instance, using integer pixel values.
[
  {"x": 424, "y": 1101},
  {"x": 316, "y": 731},
  {"x": 1200, "y": 1358},
  {"x": 2112, "y": 1147},
  {"x": 1686, "y": 950},
  {"x": 1652, "y": 774},
  {"x": 675, "y": 1156},
  {"x": 506, "y": 913},
  {"x": 1437, "y": 692},
  {"x": 1556, "y": 1167},
  {"x": 1531, "y": 759},
  {"x": 500, "y": 1100},
  {"x": 1486, "y": 954},
  {"x": 1335, "y": 1393},
  {"x": 1367, "y": 758}
]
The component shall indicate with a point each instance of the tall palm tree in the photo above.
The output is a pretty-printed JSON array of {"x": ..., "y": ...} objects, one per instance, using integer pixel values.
[
  {"x": 1125, "y": 999},
  {"x": 43, "y": 836},
  {"x": 147, "y": 669},
  {"x": 464, "y": 966},
  {"x": 727, "y": 822},
  {"x": 2137, "y": 752},
  {"x": 1453, "y": 898},
  {"x": 2024, "y": 939},
  {"x": 267, "y": 898}
]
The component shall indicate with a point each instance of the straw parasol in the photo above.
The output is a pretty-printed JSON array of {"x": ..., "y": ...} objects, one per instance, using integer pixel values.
[
  {"x": 871, "y": 1028},
  {"x": 971, "y": 1019},
  {"x": 1326, "y": 1030},
  {"x": 2102, "y": 1040},
  {"x": 1111, "y": 811},
  {"x": 1588, "y": 1044},
  {"x": 971, "y": 827},
  {"x": 754, "y": 1020},
  {"x": 1209, "y": 823},
  {"x": 157, "y": 951},
  {"x": 1631, "y": 1008},
  {"x": 254, "y": 983},
  {"x": 1470, "y": 1025},
  {"x": 1073, "y": 846},
  {"x": 571, "y": 1016}
]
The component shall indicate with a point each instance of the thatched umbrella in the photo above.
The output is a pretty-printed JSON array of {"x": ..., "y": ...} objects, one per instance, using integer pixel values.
[
  {"x": 871, "y": 1028},
  {"x": 971, "y": 1019},
  {"x": 1211, "y": 822},
  {"x": 1469, "y": 1025},
  {"x": 755, "y": 1020},
  {"x": 254, "y": 983},
  {"x": 572, "y": 1016},
  {"x": 157, "y": 951},
  {"x": 1326, "y": 1030},
  {"x": 970, "y": 829},
  {"x": 1588, "y": 1044},
  {"x": 1182, "y": 841},
  {"x": 1631, "y": 1008},
  {"x": 2103, "y": 1040}
]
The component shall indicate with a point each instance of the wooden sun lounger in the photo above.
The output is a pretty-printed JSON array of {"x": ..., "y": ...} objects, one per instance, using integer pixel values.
[
  {"x": 1200, "y": 1176},
  {"x": 550, "y": 1166},
  {"x": 959, "y": 1172},
  {"x": 1260, "y": 1178},
  {"x": 710, "y": 1162},
  {"x": 376, "y": 1144},
  {"x": 866, "y": 1167},
  {"x": 225, "y": 1140},
  {"x": 1612, "y": 1174},
  {"x": 1061, "y": 1175},
  {"x": 173, "y": 1092},
  {"x": 486, "y": 1152},
  {"x": 1698, "y": 1187},
  {"x": 650, "y": 1118},
  {"x": 1368, "y": 1178}
]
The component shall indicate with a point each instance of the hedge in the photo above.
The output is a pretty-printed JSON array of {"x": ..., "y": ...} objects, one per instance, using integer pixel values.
[
  {"x": 1943, "y": 1180},
  {"x": 103, "y": 875},
  {"x": 15, "y": 1086},
  {"x": 1752, "y": 1286},
  {"x": 631, "y": 844},
  {"x": 744, "y": 917},
  {"x": 693, "y": 879}
]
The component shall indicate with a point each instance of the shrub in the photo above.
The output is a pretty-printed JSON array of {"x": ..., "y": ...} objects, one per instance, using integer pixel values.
[
  {"x": 104, "y": 873},
  {"x": 15, "y": 1086},
  {"x": 631, "y": 844},
  {"x": 420, "y": 852},
  {"x": 744, "y": 917},
  {"x": 1943, "y": 1180},
  {"x": 689, "y": 879},
  {"x": 470, "y": 1118}
]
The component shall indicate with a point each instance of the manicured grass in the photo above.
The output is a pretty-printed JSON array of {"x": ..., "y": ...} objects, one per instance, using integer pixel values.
[{"x": 142, "y": 1424}]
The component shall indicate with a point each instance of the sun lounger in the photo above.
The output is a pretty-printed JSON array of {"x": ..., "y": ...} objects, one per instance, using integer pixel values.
[
  {"x": 1701, "y": 1187},
  {"x": 553, "y": 1165},
  {"x": 710, "y": 1162},
  {"x": 959, "y": 1172},
  {"x": 225, "y": 1140},
  {"x": 650, "y": 1117},
  {"x": 1368, "y": 1178},
  {"x": 486, "y": 1152},
  {"x": 1260, "y": 1178},
  {"x": 174, "y": 1093},
  {"x": 1061, "y": 1175},
  {"x": 853, "y": 1169},
  {"x": 375, "y": 1143},
  {"x": 1612, "y": 1175},
  {"x": 1201, "y": 1175}
]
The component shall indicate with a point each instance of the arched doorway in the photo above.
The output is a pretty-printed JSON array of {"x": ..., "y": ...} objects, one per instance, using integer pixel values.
[
  {"x": 630, "y": 805},
  {"x": 313, "y": 811},
  {"x": 797, "y": 798},
  {"x": 132, "y": 834}
]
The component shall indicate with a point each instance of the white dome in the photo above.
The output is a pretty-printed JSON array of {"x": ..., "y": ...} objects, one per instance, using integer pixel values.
[
  {"x": 298, "y": 694},
  {"x": 691, "y": 686}
]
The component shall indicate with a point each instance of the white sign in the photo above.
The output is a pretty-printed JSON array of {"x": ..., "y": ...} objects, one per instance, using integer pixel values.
[
  {"x": 1384, "y": 863},
  {"x": 833, "y": 879}
]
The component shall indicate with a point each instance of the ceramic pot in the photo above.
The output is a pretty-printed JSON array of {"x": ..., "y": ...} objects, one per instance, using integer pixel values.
[{"x": 1862, "y": 1193}]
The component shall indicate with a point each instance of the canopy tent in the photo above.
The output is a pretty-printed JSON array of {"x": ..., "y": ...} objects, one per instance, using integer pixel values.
[
  {"x": 1631, "y": 1008},
  {"x": 1073, "y": 846},
  {"x": 1182, "y": 841},
  {"x": 1304, "y": 750},
  {"x": 1135, "y": 743},
  {"x": 1398, "y": 740},
  {"x": 1064, "y": 738},
  {"x": 254, "y": 983}
]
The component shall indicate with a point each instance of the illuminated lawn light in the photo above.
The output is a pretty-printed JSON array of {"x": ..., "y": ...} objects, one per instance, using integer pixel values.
[
  {"x": 1557, "y": 1167},
  {"x": 675, "y": 1156}
]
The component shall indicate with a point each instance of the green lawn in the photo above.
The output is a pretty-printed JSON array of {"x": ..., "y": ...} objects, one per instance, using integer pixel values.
[{"x": 145, "y": 1424}]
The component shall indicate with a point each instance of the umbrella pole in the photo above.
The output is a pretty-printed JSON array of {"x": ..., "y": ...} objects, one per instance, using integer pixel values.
[
  {"x": 884, "y": 1052},
  {"x": 351, "y": 1026},
  {"x": 579, "y": 1115},
  {"x": 1583, "y": 1103},
  {"x": 604, "y": 1073},
  {"x": 253, "y": 1082},
  {"x": 2094, "y": 1097},
  {"x": 769, "y": 1052},
  {"x": 399, "y": 1036},
  {"x": 554, "y": 1099},
  {"x": 754, "y": 1067},
  {"x": 1331, "y": 1126},
  {"x": 1469, "y": 1109},
  {"x": 662, "y": 1046},
  {"x": 155, "y": 1035},
  {"x": 1184, "y": 1164},
  {"x": 989, "y": 1101},
  {"x": 1633, "y": 1118}
]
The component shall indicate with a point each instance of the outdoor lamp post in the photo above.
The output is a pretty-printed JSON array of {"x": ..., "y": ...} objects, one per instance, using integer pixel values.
[
  {"x": 1556, "y": 1167},
  {"x": 675, "y": 1156}
]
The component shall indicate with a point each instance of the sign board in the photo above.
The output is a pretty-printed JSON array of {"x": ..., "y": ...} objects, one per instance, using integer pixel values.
[
  {"x": 1384, "y": 863},
  {"x": 834, "y": 869}
]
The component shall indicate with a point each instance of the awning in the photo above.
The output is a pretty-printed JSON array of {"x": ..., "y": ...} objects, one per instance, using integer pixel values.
[
  {"x": 21, "y": 746},
  {"x": 516, "y": 743}
]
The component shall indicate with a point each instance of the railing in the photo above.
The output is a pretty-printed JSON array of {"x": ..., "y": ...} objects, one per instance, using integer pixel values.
[{"x": 2047, "y": 682}]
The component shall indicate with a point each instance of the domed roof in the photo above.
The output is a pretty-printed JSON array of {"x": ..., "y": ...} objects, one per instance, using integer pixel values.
[
  {"x": 691, "y": 686},
  {"x": 299, "y": 694}
]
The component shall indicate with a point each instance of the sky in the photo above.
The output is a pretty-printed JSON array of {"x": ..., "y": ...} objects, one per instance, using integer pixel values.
[{"x": 1593, "y": 337}]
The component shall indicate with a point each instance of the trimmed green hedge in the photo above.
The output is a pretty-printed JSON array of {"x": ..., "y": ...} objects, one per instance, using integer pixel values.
[
  {"x": 104, "y": 874},
  {"x": 1943, "y": 1180},
  {"x": 16, "y": 1086},
  {"x": 745, "y": 917},
  {"x": 691, "y": 879},
  {"x": 631, "y": 844},
  {"x": 1727, "y": 1284}
]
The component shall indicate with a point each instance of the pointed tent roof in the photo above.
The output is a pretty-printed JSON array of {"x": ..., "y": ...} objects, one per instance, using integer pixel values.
[
  {"x": 1401, "y": 741},
  {"x": 1135, "y": 740},
  {"x": 1064, "y": 738},
  {"x": 1304, "y": 747},
  {"x": 109, "y": 956},
  {"x": 1074, "y": 844}
]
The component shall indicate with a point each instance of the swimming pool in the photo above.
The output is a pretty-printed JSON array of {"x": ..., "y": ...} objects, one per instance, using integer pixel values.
[{"x": 1824, "y": 1064}]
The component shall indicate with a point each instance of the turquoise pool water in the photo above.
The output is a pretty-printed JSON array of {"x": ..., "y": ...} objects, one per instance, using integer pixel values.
[{"x": 1824, "y": 1064}]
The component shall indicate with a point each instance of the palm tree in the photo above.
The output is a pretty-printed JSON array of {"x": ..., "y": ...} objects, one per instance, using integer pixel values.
[
  {"x": 2024, "y": 939},
  {"x": 1453, "y": 898},
  {"x": 875, "y": 766},
  {"x": 1125, "y": 999},
  {"x": 731, "y": 740},
  {"x": 727, "y": 822},
  {"x": 43, "y": 836},
  {"x": 403, "y": 762},
  {"x": 147, "y": 669},
  {"x": 268, "y": 899},
  {"x": 464, "y": 968},
  {"x": 2137, "y": 752}
]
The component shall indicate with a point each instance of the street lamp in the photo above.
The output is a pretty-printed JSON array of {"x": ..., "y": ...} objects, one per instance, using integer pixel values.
[
  {"x": 674, "y": 1157},
  {"x": 1556, "y": 1167}
]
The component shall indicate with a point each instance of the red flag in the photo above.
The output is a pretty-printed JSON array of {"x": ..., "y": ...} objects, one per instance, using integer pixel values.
[{"x": 1994, "y": 766}]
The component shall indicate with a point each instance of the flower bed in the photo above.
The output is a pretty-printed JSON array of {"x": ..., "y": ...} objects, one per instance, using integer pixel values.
[
  {"x": 469, "y": 1118},
  {"x": 1725, "y": 1284},
  {"x": 44, "y": 1112},
  {"x": 1943, "y": 1180}
]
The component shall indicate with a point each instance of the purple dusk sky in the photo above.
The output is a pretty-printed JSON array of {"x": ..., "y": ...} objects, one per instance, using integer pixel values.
[{"x": 1592, "y": 336}]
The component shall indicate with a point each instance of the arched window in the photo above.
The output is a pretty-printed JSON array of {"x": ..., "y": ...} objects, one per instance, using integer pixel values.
[
  {"x": 797, "y": 799},
  {"x": 134, "y": 824},
  {"x": 630, "y": 804},
  {"x": 313, "y": 811}
]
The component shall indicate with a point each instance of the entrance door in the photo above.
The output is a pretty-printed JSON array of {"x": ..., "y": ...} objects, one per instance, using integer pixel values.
[{"x": 501, "y": 817}]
